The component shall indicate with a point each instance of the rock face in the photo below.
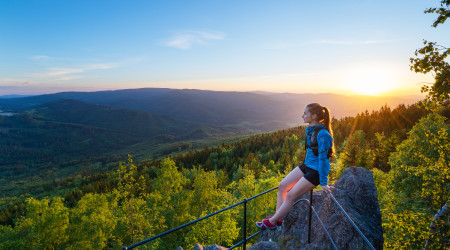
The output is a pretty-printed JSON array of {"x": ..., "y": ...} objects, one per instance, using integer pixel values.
[
  {"x": 265, "y": 245},
  {"x": 211, "y": 247},
  {"x": 356, "y": 193}
]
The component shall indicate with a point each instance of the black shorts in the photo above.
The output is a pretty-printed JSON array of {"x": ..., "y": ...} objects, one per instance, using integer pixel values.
[{"x": 310, "y": 174}]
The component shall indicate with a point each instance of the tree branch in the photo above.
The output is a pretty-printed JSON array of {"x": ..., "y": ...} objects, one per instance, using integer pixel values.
[{"x": 441, "y": 213}]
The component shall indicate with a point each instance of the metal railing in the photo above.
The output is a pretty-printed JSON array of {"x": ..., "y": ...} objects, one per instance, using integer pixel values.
[
  {"x": 353, "y": 223},
  {"x": 311, "y": 209},
  {"x": 245, "y": 238},
  {"x": 244, "y": 241}
]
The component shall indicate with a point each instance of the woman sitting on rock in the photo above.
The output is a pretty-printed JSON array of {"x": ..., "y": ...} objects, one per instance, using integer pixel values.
[{"x": 313, "y": 171}]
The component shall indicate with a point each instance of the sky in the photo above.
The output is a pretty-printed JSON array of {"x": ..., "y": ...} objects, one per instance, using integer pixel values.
[{"x": 343, "y": 47}]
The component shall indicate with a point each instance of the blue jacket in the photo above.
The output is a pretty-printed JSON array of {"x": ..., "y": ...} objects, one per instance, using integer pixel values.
[{"x": 319, "y": 163}]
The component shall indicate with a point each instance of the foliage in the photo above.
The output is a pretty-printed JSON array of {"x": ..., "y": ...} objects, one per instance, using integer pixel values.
[
  {"x": 417, "y": 185},
  {"x": 443, "y": 11},
  {"x": 136, "y": 201},
  {"x": 431, "y": 58},
  {"x": 382, "y": 148},
  {"x": 112, "y": 209},
  {"x": 423, "y": 160},
  {"x": 92, "y": 222}
]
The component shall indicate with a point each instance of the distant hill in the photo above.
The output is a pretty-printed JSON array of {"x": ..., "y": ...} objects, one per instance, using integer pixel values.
[
  {"x": 132, "y": 122},
  {"x": 57, "y": 135},
  {"x": 340, "y": 105},
  {"x": 63, "y": 137},
  {"x": 64, "y": 130},
  {"x": 260, "y": 109},
  {"x": 12, "y": 96}
]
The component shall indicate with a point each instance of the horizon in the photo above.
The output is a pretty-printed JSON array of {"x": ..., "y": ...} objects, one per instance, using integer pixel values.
[
  {"x": 415, "y": 96},
  {"x": 350, "y": 48}
]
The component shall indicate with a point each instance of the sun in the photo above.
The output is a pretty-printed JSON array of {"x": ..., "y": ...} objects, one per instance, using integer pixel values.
[{"x": 370, "y": 81}]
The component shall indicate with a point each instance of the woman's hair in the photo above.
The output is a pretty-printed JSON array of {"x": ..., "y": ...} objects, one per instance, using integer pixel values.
[{"x": 323, "y": 115}]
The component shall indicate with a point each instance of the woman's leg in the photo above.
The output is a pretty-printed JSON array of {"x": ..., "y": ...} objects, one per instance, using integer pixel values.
[
  {"x": 302, "y": 186},
  {"x": 287, "y": 183}
]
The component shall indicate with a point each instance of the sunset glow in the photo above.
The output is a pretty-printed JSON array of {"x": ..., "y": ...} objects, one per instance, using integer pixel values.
[
  {"x": 340, "y": 47},
  {"x": 371, "y": 81}
]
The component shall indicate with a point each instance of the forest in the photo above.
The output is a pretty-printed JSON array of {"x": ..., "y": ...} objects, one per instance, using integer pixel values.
[
  {"x": 407, "y": 148},
  {"x": 141, "y": 199}
]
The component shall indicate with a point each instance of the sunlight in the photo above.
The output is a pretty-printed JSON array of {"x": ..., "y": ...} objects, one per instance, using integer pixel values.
[{"x": 370, "y": 81}]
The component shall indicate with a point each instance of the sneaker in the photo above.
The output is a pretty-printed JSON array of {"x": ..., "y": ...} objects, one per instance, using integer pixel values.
[
  {"x": 279, "y": 222},
  {"x": 260, "y": 225},
  {"x": 268, "y": 225}
]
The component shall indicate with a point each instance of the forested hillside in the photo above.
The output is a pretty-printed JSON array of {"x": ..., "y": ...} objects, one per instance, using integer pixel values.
[
  {"x": 138, "y": 200},
  {"x": 273, "y": 110},
  {"x": 55, "y": 136},
  {"x": 66, "y": 181},
  {"x": 68, "y": 137}
]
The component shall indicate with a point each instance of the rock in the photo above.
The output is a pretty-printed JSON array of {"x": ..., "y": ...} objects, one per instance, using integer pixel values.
[
  {"x": 211, "y": 247},
  {"x": 265, "y": 245},
  {"x": 198, "y": 247},
  {"x": 356, "y": 193},
  {"x": 215, "y": 247},
  {"x": 179, "y": 248}
]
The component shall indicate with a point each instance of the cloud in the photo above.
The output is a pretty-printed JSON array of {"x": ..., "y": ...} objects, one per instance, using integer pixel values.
[
  {"x": 66, "y": 78},
  {"x": 65, "y": 74},
  {"x": 41, "y": 58},
  {"x": 352, "y": 42},
  {"x": 186, "y": 39},
  {"x": 101, "y": 66},
  {"x": 13, "y": 81},
  {"x": 58, "y": 72},
  {"x": 293, "y": 44}
]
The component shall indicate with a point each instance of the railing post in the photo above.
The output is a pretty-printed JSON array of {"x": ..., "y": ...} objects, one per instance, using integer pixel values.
[
  {"x": 245, "y": 223},
  {"x": 310, "y": 215}
]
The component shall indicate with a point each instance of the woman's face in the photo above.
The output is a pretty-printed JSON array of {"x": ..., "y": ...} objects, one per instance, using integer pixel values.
[{"x": 307, "y": 116}]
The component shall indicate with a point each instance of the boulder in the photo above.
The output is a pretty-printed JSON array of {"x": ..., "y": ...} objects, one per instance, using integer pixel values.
[
  {"x": 198, "y": 247},
  {"x": 211, "y": 247},
  {"x": 215, "y": 247},
  {"x": 356, "y": 193},
  {"x": 265, "y": 245}
]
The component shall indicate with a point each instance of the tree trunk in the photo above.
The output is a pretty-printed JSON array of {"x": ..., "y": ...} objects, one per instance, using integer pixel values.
[{"x": 440, "y": 214}]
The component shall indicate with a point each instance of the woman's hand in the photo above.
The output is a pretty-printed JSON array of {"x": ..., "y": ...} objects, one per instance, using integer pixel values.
[{"x": 327, "y": 189}]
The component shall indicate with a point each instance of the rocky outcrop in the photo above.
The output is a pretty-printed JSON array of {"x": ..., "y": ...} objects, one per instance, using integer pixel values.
[
  {"x": 356, "y": 192},
  {"x": 211, "y": 247},
  {"x": 265, "y": 245}
]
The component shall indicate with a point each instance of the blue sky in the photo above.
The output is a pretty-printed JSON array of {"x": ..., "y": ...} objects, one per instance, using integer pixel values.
[{"x": 341, "y": 47}]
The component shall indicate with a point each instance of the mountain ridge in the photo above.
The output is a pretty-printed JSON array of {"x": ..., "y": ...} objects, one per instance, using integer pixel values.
[{"x": 216, "y": 107}]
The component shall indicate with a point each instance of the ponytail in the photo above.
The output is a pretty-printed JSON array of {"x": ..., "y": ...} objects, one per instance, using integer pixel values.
[
  {"x": 323, "y": 116},
  {"x": 327, "y": 120}
]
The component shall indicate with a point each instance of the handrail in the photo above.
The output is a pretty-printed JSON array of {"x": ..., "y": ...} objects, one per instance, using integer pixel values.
[
  {"x": 200, "y": 219},
  {"x": 317, "y": 215},
  {"x": 244, "y": 241},
  {"x": 353, "y": 223},
  {"x": 179, "y": 227}
]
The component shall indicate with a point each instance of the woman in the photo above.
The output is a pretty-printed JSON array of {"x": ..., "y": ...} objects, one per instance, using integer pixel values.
[{"x": 313, "y": 171}]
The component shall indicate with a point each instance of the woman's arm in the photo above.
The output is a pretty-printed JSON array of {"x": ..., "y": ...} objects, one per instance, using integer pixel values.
[{"x": 325, "y": 142}]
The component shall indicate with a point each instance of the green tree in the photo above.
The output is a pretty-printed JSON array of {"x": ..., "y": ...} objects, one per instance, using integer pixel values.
[
  {"x": 219, "y": 229},
  {"x": 133, "y": 224},
  {"x": 92, "y": 222},
  {"x": 45, "y": 224},
  {"x": 431, "y": 58},
  {"x": 382, "y": 148},
  {"x": 169, "y": 202},
  {"x": 355, "y": 151},
  {"x": 422, "y": 161},
  {"x": 12, "y": 238},
  {"x": 420, "y": 178}
]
